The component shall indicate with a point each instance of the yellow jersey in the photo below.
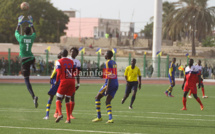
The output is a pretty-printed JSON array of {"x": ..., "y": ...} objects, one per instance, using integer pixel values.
[
  {"x": 54, "y": 72},
  {"x": 132, "y": 73}
]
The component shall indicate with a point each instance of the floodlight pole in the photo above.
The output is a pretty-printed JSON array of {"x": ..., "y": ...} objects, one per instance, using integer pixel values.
[{"x": 157, "y": 33}]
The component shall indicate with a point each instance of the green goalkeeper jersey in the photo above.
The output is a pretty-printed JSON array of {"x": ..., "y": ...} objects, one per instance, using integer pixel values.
[{"x": 25, "y": 44}]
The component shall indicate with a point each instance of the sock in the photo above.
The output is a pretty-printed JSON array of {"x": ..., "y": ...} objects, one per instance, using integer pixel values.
[
  {"x": 48, "y": 107},
  {"x": 72, "y": 104},
  {"x": 58, "y": 107},
  {"x": 29, "y": 87},
  {"x": 68, "y": 111},
  {"x": 203, "y": 91},
  {"x": 132, "y": 100},
  {"x": 98, "y": 105},
  {"x": 190, "y": 93},
  {"x": 169, "y": 90},
  {"x": 56, "y": 110},
  {"x": 199, "y": 101},
  {"x": 109, "y": 111},
  {"x": 184, "y": 101}
]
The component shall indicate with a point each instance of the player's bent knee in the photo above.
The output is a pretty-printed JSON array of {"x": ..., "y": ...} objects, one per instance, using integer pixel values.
[
  {"x": 59, "y": 95},
  {"x": 67, "y": 99},
  {"x": 195, "y": 96}
]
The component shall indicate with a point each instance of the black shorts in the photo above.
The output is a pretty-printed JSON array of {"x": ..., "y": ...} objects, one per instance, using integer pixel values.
[
  {"x": 26, "y": 64},
  {"x": 130, "y": 86}
]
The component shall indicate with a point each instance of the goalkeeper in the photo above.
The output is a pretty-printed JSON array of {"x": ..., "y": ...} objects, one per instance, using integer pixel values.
[{"x": 27, "y": 58}]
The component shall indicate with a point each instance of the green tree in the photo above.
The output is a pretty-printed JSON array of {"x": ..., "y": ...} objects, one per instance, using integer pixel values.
[
  {"x": 190, "y": 17},
  {"x": 148, "y": 30},
  {"x": 168, "y": 8},
  {"x": 49, "y": 22},
  {"x": 208, "y": 42}
]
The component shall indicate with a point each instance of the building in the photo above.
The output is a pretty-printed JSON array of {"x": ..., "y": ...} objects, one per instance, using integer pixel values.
[
  {"x": 92, "y": 27},
  {"x": 70, "y": 13},
  {"x": 127, "y": 29}
]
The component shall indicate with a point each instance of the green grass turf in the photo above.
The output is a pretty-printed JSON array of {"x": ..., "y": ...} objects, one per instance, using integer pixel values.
[{"x": 153, "y": 112}]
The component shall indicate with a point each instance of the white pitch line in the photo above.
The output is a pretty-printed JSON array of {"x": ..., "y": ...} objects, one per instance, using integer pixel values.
[
  {"x": 72, "y": 130},
  {"x": 39, "y": 110},
  {"x": 147, "y": 117},
  {"x": 167, "y": 118}
]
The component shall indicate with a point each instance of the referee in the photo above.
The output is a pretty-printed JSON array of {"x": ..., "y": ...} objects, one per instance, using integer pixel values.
[{"x": 131, "y": 74}]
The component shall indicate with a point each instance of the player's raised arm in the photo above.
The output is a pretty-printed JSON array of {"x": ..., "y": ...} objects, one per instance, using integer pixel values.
[
  {"x": 30, "y": 21},
  {"x": 20, "y": 18}
]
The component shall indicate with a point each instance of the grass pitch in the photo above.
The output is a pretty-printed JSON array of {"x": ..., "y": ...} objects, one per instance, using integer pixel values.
[{"x": 153, "y": 112}]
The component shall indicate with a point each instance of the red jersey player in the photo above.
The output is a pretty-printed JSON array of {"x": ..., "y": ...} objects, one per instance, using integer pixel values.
[
  {"x": 199, "y": 66},
  {"x": 191, "y": 74},
  {"x": 64, "y": 67}
]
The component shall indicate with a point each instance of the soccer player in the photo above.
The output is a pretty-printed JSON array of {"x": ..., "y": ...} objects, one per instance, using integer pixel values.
[
  {"x": 27, "y": 57},
  {"x": 199, "y": 67},
  {"x": 52, "y": 90},
  {"x": 131, "y": 74},
  {"x": 64, "y": 67},
  {"x": 74, "y": 53},
  {"x": 171, "y": 75},
  {"x": 191, "y": 75},
  {"x": 109, "y": 88}
]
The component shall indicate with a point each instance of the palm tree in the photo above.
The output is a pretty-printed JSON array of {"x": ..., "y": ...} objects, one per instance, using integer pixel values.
[
  {"x": 168, "y": 8},
  {"x": 190, "y": 16}
]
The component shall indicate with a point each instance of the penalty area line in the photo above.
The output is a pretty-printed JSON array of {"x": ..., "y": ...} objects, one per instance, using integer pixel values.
[{"x": 71, "y": 130}]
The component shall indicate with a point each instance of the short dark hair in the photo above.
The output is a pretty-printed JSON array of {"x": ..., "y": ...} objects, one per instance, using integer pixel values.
[
  {"x": 64, "y": 53},
  {"x": 74, "y": 48},
  {"x": 110, "y": 53},
  {"x": 59, "y": 56},
  {"x": 27, "y": 30}
]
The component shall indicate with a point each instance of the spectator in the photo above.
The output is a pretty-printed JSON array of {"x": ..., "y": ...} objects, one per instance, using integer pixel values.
[
  {"x": 38, "y": 66},
  {"x": 150, "y": 71},
  {"x": 90, "y": 46},
  {"x": 205, "y": 71},
  {"x": 213, "y": 71},
  {"x": 41, "y": 66},
  {"x": 17, "y": 66},
  {"x": 177, "y": 70},
  {"x": 209, "y": 72},
  {"x": 106, "y": 35},
  {"x": 134, "y": 38}
]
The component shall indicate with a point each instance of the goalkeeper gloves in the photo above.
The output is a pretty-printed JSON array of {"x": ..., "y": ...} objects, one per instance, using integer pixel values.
[
  {"x": 30, "y": 21},
  {"x": 20, "y": 18}
]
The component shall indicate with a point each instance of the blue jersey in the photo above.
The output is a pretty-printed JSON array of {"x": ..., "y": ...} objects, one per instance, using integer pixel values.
[
  {"x": 112, "y": 66},
  {"x": 172, "y": 69}
]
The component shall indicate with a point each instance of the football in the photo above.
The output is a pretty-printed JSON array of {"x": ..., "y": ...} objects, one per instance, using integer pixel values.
[{"x": 24, "y": 6}]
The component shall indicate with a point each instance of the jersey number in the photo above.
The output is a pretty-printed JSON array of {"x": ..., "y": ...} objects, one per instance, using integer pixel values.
[
  {"x": 27, "y": 46},
  {"x": 69, "y": 73},
  {"x": 68, "y": 70}
]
